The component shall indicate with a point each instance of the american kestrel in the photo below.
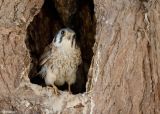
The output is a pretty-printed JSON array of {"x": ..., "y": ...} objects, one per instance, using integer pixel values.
[{"x": 60, "y": 60}]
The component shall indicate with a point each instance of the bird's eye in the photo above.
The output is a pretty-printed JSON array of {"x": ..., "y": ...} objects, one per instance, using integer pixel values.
[{"x": 62, "y": 32}]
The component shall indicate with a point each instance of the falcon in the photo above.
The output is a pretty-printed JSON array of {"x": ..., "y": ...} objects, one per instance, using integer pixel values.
[{"x": 60, "y": 60}]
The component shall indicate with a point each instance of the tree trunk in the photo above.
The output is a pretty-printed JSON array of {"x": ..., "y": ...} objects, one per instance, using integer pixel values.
[
  {"x": 124, "y": 72},
  {"x": 126, "y": 63}
]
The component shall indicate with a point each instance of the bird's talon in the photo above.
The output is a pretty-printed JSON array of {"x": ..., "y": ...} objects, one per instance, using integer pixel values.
[
  {"x": 55, "y": 89},
  {"x": 56, "y": 92}
]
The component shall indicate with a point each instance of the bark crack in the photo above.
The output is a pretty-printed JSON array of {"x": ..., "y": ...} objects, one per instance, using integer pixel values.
[
  {"x": 1, "y": 4},
  {"x": 5, "y": 83},
  {"x": 15, "y": 11}
]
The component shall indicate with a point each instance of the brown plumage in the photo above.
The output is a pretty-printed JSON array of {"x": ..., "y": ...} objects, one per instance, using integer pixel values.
[{"x": 61, "y": 60}]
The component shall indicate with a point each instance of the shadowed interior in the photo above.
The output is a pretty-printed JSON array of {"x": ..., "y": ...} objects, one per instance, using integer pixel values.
[{"x": 54, "y": 15}]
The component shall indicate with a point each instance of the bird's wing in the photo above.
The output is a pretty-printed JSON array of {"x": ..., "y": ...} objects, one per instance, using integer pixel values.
[{"x": 46, "y": 55}]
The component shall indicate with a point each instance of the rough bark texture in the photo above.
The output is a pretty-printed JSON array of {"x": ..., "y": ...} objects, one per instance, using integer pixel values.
[
  {"x": 124, "y": 74},
  {"x": 127, "y": 59},
  {"x": 14, "y": 58}
]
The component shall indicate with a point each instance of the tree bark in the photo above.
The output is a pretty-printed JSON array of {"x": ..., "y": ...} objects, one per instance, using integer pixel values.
[
  {"x": 126, "y": 63},
  {"x": 124, "y": 74},
  {"x": 14, "y": 58}
]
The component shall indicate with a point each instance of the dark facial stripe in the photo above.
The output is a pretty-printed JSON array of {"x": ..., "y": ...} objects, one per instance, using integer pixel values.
[
  {"x": 73, "y": 44},
  {"x": 62, "y": 33},
  {"x": 60, "y": 40},
  {"x": 73, "y": 40}
]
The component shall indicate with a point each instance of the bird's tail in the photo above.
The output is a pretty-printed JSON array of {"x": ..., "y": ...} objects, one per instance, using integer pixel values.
[
  {"x": 42, "y": 72},
  {"x": 39, "y": 77}
]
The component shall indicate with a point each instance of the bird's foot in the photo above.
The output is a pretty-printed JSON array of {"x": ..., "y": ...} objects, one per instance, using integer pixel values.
[{"x": 55, "y": 90}]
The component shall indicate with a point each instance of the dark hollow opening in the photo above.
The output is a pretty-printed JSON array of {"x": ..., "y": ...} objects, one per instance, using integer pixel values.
[{"x": 54, "y": 15}]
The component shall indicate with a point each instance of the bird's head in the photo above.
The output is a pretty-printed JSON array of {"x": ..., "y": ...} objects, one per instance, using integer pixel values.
[{"x": 65, "y": 38}]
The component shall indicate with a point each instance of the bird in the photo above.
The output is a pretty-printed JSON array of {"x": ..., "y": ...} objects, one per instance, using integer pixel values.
[{"x": 60, "y": 60}]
